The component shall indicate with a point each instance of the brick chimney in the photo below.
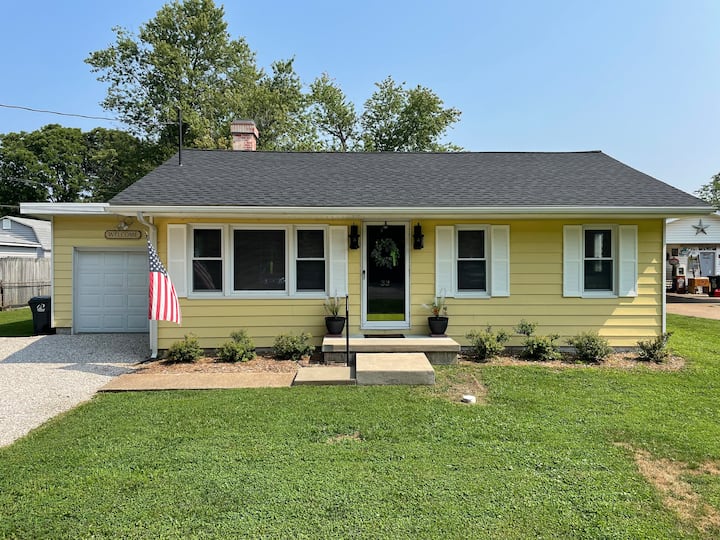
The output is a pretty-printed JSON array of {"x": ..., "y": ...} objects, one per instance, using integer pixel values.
[{"x": 244, "y": 135}]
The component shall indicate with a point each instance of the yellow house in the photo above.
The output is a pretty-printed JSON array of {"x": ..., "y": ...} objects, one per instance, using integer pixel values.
[{"x": 573, "y": 241}]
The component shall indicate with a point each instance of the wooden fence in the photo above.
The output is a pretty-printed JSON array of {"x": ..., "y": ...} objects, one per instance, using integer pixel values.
[{"x": 21, "y": 279}]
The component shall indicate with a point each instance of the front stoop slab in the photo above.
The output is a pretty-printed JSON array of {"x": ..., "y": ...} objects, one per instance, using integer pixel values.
[
  {"x": 324, "y": 375},
  {"x": 393, "y": 368}
]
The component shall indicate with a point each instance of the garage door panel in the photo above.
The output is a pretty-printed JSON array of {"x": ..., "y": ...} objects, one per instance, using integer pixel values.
[{"x": 111, "y": 291}]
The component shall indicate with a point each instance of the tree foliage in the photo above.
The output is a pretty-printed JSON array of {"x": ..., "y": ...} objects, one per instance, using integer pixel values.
[
  {"x": 185, "y": 58},
  {"x": 61, "y": 164},
  {"x": 710, "y": 192},
  {"x": 397, "y": 119}
]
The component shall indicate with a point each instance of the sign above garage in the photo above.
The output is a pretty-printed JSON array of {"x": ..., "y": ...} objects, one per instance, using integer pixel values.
[{"x": 114, "y": 234}]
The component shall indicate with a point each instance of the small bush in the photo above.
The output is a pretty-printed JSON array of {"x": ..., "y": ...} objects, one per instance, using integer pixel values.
[
  {"x": 240, "y": 348},
  {"x": 486, "y": 343},
  {"x": 292, "y": 347},
  {"x": 654, "y": 350},
  {"x": 541, "y": 348},
  {"x": 187, "y": 350},
  {"x": 525, "y": 328},
  {"x": 590, "y": 347}
]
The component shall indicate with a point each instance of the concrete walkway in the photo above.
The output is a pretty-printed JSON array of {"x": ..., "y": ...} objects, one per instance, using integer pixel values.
[{"x": 196, "y": 381}]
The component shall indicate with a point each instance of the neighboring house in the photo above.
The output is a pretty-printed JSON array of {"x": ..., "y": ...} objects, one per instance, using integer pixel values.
[
  {"x": 693, "y": 244},
  {"x": 571, "y": 240},
  {"x": 23, "y": 237}
]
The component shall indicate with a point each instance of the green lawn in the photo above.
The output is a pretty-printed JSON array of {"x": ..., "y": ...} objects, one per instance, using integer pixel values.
[
  {"x": 16, "y": 322},
  {"x": 540, "y": 459}
]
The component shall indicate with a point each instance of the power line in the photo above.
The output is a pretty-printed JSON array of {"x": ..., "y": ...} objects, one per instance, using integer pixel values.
[{"x": 60, "y": 113}]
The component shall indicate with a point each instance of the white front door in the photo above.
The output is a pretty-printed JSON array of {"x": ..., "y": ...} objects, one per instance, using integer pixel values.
[{"x": 385, "y": 276}]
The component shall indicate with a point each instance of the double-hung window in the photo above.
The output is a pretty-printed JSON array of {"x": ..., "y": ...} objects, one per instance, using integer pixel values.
[
  {"x": 207, "y": 260},
  {"x": 471, "y": 261},
  {"x": 600, "y": 261},
  {"x": 310, "y": 261}
]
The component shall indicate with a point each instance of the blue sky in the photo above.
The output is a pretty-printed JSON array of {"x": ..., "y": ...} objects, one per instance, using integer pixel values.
[{"x": 638, "y": 79}]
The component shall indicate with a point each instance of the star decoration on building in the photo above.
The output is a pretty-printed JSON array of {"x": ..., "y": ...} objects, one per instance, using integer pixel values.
[{"x": 700, "y": 227}]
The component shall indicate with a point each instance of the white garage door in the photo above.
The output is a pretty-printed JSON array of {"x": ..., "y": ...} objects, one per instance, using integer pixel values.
[{"x": 111, "y": 291}]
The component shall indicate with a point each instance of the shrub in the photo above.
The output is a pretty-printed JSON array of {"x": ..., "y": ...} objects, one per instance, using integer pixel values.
[
  {"x": 541, "y": 348},
  {"x": 240, "y": 348},
  {"x": 292, "y": 347},
  {"x": 187, "y": 350},
  {"x": 525, "y": 328},
  {"x": 654, "y": 350},
  {"x": 590, "y": 347},
  {"x": 486, "y": 343}
]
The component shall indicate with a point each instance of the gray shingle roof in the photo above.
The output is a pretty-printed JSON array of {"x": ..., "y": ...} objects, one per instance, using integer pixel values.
[{"x": 397, "y": 180}]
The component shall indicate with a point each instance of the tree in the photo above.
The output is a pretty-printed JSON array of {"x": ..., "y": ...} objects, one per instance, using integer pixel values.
[
  {"x": 184, "y": 57},
  {"x": 710, "y": 192},
  {"x": 400, "y": 120},
  {"x": 60, "y": 164},
  {"x": 333, "y": 114}
]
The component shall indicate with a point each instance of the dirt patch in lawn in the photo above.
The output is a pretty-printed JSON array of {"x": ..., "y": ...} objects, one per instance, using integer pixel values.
[
  {"x": 455, "y": 382},
  {"x": 627, "y": 361},
  {"x": 260, "y": 364},
  {"x": 345, "y": 437},
  {"x": 678, "y": 495}
]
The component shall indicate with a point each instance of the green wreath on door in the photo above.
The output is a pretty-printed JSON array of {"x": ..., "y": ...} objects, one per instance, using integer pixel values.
[{"x": 385, "y": 253}]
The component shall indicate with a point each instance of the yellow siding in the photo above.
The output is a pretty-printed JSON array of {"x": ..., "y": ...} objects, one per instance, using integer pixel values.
[
  {"x": 70, "y": 232},
  {"x": 536, "y": 261}
]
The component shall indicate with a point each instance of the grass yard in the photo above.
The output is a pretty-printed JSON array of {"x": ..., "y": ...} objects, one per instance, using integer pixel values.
[
  {"x": 16, "y": 322},
  {"x": 551, "y": 453}
]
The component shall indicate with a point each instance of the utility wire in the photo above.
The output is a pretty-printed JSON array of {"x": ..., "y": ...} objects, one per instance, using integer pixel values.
[{"x": 59, "y": 113}]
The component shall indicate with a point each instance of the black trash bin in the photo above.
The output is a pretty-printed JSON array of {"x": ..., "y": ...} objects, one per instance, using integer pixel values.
[
  {"x": 40, "y": 307},
  {"x": 714, "y": 285}
]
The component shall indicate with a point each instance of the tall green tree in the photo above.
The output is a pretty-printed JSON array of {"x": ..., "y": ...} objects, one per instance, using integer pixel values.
[
  {"x": 333, "y": 114},
  {"x": 185, "y": 58},
  {"x": 397, "y": 119},
  {"x": 710, "y": 192}
]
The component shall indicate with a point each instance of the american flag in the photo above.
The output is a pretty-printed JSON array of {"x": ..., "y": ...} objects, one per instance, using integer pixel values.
[{"x": 163, "y": 305}]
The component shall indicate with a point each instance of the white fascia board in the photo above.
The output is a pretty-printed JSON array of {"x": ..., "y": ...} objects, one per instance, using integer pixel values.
[
  {"x": 64, "y": 209},
  {"x": 409, "y": 212}
]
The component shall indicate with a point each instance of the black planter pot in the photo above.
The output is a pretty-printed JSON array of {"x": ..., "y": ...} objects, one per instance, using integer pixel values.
[
  {"x": 438, "y": 325},
  {"x": 335, "y": 325}
]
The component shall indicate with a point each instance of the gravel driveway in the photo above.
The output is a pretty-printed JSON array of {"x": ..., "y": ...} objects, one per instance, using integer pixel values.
[{"x": 42, "y": 376}]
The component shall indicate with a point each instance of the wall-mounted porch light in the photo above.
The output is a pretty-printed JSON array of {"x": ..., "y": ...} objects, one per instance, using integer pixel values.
[
  {"x": 418, "y": 237},
  {"x": 354, "y": 237}
]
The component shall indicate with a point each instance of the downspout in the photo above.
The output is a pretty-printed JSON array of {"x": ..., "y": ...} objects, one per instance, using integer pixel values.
[
  {"x": 664, "y": 277},
  {"x": 152, "y": 236}
]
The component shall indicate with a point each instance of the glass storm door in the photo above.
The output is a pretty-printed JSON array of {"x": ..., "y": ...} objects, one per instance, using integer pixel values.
[{"x": 385, "y": 277}]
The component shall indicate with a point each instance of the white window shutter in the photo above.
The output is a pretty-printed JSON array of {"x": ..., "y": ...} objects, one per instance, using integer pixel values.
[
  {"x": 177, "y": 265},
  {"x": 572, "y": 260},
  {"x": 500, "y": 260},
  {"x": 444, "y": 260},
  {"x": 628, "y": 255},
  {"x": 338, "y": 248}
]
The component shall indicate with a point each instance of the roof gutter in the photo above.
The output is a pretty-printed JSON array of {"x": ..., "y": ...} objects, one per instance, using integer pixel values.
[{"x": 412, "y": 212}]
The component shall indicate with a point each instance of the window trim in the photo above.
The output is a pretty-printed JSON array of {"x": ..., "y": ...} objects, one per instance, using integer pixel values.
[
  {"x": 228, "y": 262},
  {"x": 191, "y": 252},
  {"x": 614, "y": 257},
  {"x": 475, "y": 293},
  {"x": 326, "y": 260}
]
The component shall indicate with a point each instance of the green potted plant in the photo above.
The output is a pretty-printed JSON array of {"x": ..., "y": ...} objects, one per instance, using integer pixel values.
[
  {"x": 438, "y": 323},
  {"x": 334, "y": 322}
]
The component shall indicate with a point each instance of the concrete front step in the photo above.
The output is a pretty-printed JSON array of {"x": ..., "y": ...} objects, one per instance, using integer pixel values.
[
  {"x": 393, "y": 368},
  {"x": 439, "y": 350},
  {"x": 324, "y": 375}
]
